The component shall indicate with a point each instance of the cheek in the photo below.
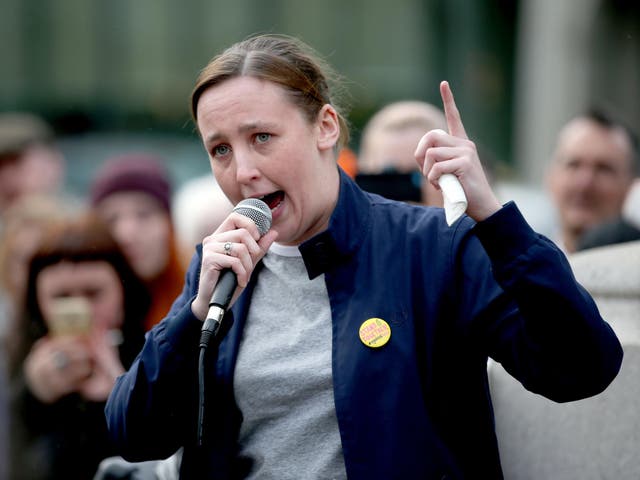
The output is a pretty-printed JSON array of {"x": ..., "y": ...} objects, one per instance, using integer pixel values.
[
  {"x": 157, "y": 242},
  {"x": 44, "y": 296},
  {"x": 559, "y": 184},
  {"x": 613, "y": 183},
  {"x": 165, "y": 233},
  {"x": 226, "y": 179},
  {"x": 158, "y": 231},
  {"x": 613, "y": 198},
  {"x": 158, "y": 257},
  {"x": 124, "y": 231},
  {"x": 108, "y": 312}
]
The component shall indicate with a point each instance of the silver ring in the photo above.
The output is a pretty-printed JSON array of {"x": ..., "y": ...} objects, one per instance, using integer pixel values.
[
  {"x": 60, "y": 360},
  {"x": 227, "y": 248}
]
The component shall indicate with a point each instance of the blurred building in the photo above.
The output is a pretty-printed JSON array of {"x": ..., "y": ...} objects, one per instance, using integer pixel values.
[
  {"x": 571, "y": 55},
  {"x": 518, "y": 68}
]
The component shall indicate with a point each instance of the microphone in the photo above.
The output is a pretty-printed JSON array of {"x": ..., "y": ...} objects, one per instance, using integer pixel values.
[{"x": 260, "y": 213}]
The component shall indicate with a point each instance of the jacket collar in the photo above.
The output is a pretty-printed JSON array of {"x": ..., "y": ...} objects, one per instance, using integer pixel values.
[{"x": 347, "y": 227}]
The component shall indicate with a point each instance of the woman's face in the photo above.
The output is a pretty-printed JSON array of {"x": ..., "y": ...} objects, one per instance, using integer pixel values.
[
  {"x": 261, "y": 145},
  {"x": 141, "y": 227},
  {"x": 95, "y": 281}
]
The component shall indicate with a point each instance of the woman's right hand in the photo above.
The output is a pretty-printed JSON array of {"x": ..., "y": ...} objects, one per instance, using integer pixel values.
[
  {"x": 452, "y": 152},
  {"x": 244, "y": 249},
  {"x": 57, "y": 366}
]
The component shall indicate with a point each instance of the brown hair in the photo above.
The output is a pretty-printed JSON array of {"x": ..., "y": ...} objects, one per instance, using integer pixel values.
[
  {"x": 280, "y": 59},
  {"x": 164, "y": 289}
]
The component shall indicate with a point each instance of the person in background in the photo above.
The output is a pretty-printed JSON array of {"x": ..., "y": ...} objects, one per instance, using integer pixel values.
[
  {"x": 30, "y": 161},
  {"x": 4, "y": 415},
  {"x": 25, "y": 220},
  {"x": 357, "y": 340},
  {"x": 132, "y": 193},
  {"x": 24, "y": 223},
  {"x": 387, "y": 146},
  {"x": 81, "y": 327},
  {"x": 198, "y": 207},
  {"x": 592, "y": 169}
]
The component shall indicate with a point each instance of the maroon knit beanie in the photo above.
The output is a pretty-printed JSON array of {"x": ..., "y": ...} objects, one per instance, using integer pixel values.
[{"x": 132, "y": 172}]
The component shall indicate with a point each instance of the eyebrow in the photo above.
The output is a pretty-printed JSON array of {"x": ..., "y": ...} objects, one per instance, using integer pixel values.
[{"x": 242, "y": 129}]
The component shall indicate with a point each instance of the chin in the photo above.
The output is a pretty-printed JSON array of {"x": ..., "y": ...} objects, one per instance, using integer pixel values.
[{"x": 286, "y": 237}]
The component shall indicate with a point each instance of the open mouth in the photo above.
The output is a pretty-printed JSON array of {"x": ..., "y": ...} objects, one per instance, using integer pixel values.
[{"x": 273, "y": 199}]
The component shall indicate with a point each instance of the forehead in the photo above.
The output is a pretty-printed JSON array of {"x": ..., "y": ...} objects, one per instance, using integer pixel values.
[
  {"x": 246, "y": 98},
  {"x": 78, "y": 275},
  {"x": 586, "y": 137},
  {"x": 129, "y": 200}
]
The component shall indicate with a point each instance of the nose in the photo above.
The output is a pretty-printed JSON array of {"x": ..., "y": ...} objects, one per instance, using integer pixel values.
[
  {"x": 246, "y": 167},
  {"x": 584, "y": 178},
  {"x": 125, "y": 229}
]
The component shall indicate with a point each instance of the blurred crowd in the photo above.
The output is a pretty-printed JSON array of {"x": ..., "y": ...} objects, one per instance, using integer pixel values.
[{"x": 83, "y": 279}]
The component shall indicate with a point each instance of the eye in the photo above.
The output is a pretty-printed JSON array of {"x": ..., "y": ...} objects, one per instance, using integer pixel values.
[
  {"x": 221, "y": 150},
  {"x": 572, "y": 164},
  {"x": 263, "y": 137},
  {"x": 92, "y": 293},
  {"x": 606, "y": 169},
  {"x": 144, "y": 213}
]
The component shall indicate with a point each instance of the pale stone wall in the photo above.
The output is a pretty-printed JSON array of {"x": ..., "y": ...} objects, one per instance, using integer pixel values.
[{"x": 596, "y": 438}]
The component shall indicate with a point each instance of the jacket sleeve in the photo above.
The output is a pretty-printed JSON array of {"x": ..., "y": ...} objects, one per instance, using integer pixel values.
[
  {"x": 150, "y": 410},
  {"x": 544, "y": 327}
]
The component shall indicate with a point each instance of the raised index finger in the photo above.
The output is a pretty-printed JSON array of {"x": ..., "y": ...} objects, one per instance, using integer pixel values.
[{"x": 454, "y": 122}]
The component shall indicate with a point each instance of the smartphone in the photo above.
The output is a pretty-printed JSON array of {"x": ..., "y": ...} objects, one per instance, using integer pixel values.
[{"x": 70, "y": 316}]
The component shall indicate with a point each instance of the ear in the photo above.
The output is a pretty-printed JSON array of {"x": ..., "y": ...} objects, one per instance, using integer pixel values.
[{"x": 328, "y": 126}]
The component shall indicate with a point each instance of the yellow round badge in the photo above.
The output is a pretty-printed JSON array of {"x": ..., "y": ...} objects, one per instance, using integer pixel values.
[{"x": 375, "y": 332}]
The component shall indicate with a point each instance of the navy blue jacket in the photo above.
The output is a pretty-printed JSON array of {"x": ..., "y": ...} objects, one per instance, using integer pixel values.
[{"x": 418, "y": 407}]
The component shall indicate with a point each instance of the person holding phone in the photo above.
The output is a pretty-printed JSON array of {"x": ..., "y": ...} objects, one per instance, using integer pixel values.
[
  {"x": 358, "y": 341},
  {"x": 82, "y": 326}
]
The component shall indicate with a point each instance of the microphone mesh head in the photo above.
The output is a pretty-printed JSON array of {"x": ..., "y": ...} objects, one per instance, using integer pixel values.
[{"x": 256, "y": 210}]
